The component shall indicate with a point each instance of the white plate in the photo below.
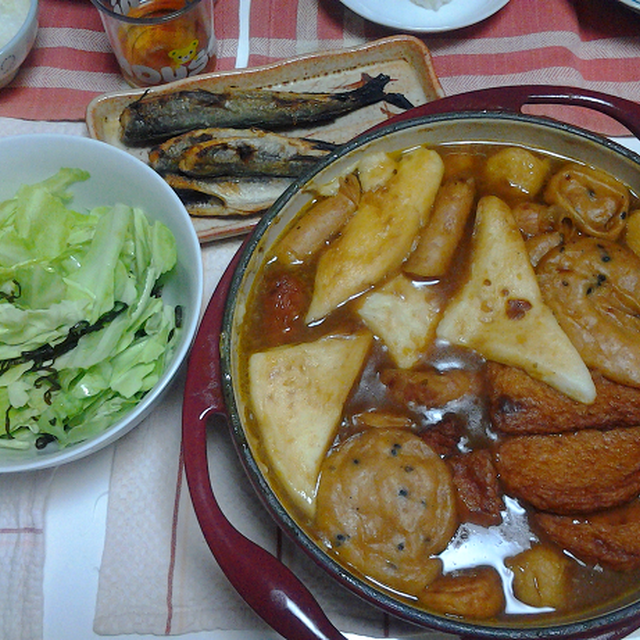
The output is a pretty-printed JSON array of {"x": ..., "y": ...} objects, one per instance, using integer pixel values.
[
  {"x": 405, "y": 15},
  {"x": 633, "y": 4}
]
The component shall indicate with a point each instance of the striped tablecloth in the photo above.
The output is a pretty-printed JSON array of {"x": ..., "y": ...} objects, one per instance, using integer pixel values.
[
  {"x": 171, "y": 587},
  {"x": 590, "y": 43},
  {"x": 71, "y": 61}
]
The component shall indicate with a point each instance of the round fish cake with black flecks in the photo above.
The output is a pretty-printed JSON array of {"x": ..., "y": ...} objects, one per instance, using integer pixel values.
[{"x": 386, "y": 504}]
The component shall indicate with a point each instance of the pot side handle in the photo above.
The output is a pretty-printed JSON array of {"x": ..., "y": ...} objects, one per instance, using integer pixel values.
[
  {"x": 513, "y": 98},
  {"x": 266, "y": 584}
]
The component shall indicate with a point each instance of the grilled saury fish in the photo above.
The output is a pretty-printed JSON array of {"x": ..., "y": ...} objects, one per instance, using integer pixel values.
[
  {"x": 231, "y": 152},
  {"x": 157, "y": 117}
]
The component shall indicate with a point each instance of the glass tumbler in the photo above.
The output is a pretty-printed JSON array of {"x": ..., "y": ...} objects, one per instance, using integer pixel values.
[{"x": 158, "y": 41}]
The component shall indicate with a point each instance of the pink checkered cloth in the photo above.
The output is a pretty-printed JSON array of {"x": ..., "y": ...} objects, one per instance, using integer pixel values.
[
  {"x": 551, "y": 42},
  {"x": 71, "y": 61},
  {"x": 591, "y": 44}
]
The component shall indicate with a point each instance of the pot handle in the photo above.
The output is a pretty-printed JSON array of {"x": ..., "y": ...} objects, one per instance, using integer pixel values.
[
  {"x": 269, "y": 587},
  {"x": 513, "y": 98}
]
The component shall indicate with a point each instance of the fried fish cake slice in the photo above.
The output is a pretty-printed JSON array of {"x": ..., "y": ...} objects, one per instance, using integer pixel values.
[
  {"x": 520, "y": 404},
  {"x": 609, "y": 538},
  {"x": 479, "y": 497},
  {"x": 576, "y": 472}
]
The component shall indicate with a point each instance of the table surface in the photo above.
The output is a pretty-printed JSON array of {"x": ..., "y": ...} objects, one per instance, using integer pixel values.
[
  {"x": 77, "y": 507},
  {"x": 74, "y": 537},
  {"x": 76, "y": 511}
]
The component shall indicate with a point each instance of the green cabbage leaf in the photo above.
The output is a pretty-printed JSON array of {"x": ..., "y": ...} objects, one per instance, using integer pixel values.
[{"x": 84, "y": 330}]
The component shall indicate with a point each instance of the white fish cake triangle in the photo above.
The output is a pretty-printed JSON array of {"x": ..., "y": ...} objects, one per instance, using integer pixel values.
[
  {"x": 500, "y": 312},
  {"x": 298, "y": 394},
  {"x": 404, "y": 317}
]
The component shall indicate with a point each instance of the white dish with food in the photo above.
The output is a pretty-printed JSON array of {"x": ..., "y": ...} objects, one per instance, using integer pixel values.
[
  {"x": 17, "y": 35},
  {"x": 418, "y": 17},
  {"x": 632, "y": 4},
  {"x": 105, "y": 271}
]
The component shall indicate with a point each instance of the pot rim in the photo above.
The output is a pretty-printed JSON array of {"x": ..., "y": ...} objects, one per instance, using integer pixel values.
[
  {"x": 624, "y": 616},
  {"x": 408, "y": 123}
]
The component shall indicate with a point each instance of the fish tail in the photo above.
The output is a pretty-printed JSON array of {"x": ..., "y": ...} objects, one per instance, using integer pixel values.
[
  {"x": 321, "y": 145},
  {"x": 372, "y": 91},
  {"x": 398, "y": 100}
]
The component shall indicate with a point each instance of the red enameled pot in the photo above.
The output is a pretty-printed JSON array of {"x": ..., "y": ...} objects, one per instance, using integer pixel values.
[{"x": 267, "y": 585}]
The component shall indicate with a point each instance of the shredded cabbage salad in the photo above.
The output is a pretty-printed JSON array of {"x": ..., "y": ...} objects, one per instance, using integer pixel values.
[{"x": 84, "y": 332}]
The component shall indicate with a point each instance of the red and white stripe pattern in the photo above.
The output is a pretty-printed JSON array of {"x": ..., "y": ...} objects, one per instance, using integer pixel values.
[
  {"x": 71, "y": 61},
  {"x": 592, "y": 43}
]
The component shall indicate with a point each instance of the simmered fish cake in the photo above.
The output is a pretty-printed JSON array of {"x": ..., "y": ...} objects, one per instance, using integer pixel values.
[
  {"x": 478, "y": 490},
  {"x": 609, "y": 538},
  {"x": 429, "y": 387},
  {"x": 466, "y": 485},
  {"x": 386, "y": 504},
  {"x": 472, "y": 593},
  {"x": 575, "y": 472},
  {"x": 541, "y": 576},
  {"x": 520, "y": 404}
]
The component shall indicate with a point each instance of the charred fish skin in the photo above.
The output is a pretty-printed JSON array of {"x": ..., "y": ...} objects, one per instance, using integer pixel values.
[
  {"x": 166, "y": 157},
  {"x": 154, "y": 118},
  {"x": 270, "y": 154}
]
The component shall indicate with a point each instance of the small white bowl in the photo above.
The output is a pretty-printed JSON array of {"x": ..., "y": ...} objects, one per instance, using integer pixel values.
[
  {"x": 13, "y": 54},
  {"x": 116, "y": 176},
  {"x": 632, "y": 4}
]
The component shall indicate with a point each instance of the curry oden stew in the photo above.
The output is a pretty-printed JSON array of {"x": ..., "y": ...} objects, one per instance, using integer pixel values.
[{"x": 442, "y": 361}]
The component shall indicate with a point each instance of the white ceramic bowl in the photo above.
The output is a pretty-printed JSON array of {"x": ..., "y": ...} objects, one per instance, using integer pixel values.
[
  {"x": 116, "y": 176},
  {"x": 13, "y": 54}
]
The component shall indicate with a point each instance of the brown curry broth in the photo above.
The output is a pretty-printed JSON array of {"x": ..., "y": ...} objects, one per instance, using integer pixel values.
[{"x": 593, "y": 588}]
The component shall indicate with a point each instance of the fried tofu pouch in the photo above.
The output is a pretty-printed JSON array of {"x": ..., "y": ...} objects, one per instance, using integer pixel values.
[
  {"x": 500, "y": 312},
  {"x": 593, "y": 287},
  {"x": 297, "y": 394},
  {"x": 380, "y": 234}
]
